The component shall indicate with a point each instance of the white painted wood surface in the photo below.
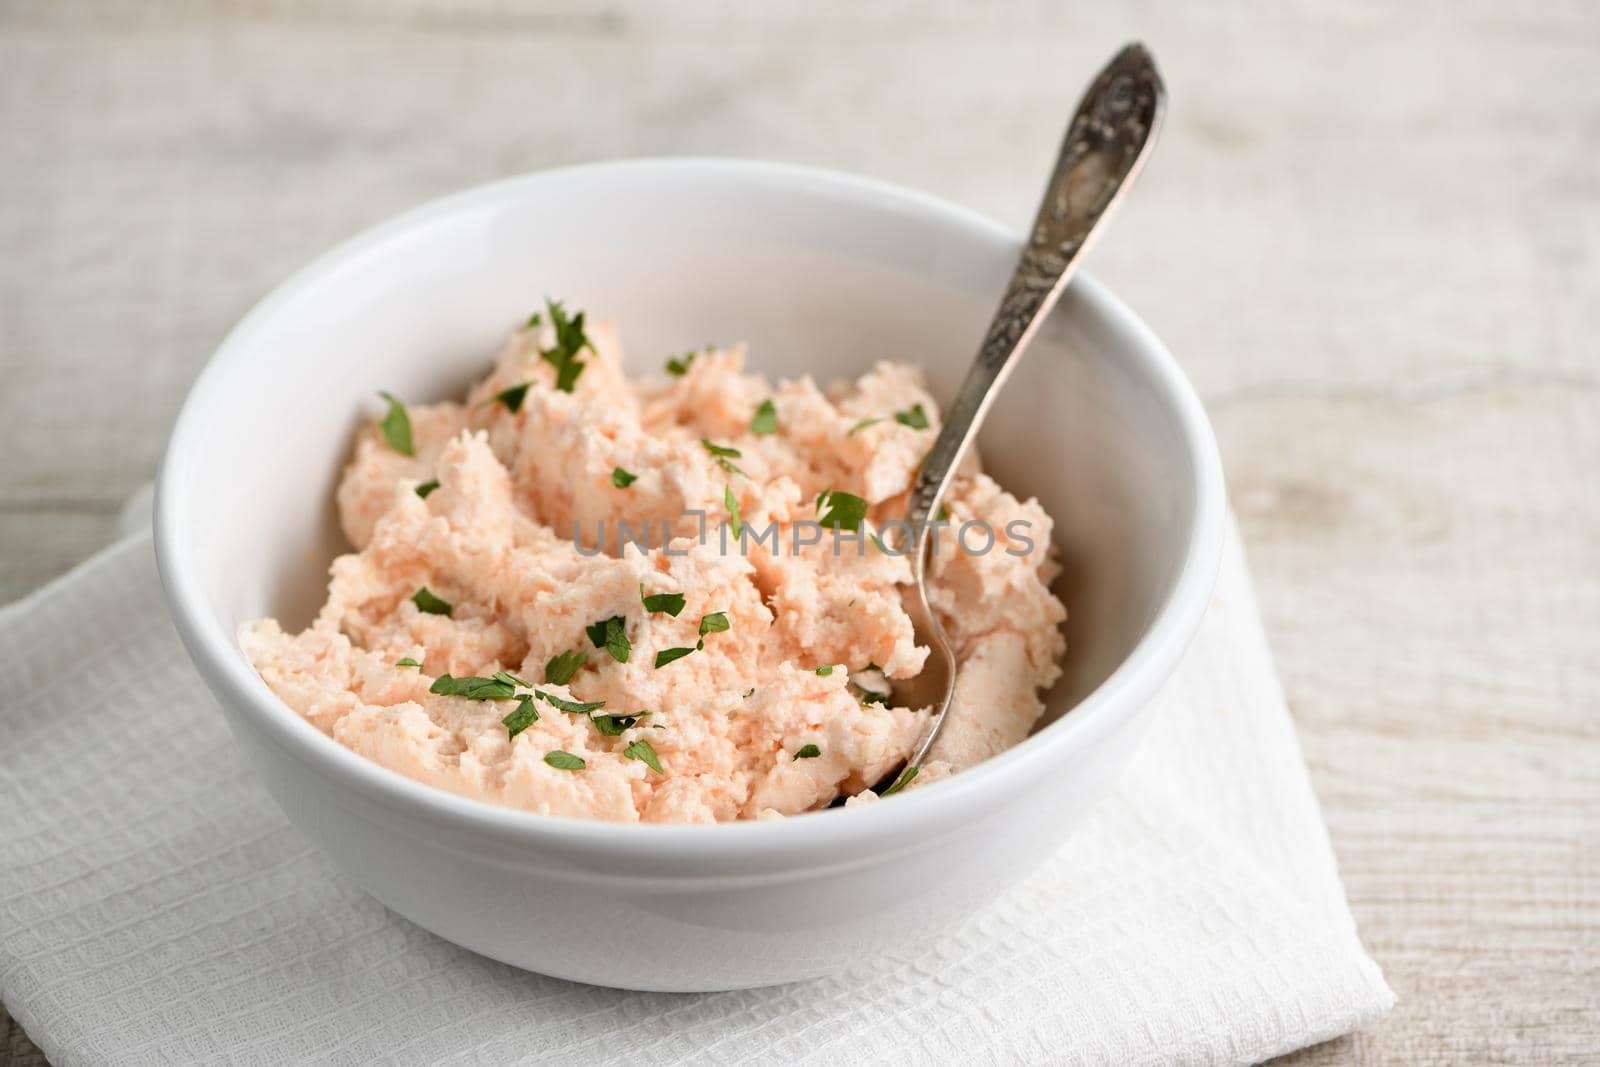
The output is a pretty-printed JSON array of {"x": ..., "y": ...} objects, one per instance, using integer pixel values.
[{"x": 1372, "y": 236}]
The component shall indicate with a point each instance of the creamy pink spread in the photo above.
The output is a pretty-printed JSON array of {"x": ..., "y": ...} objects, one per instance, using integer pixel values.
[{"x": 517, "y": 547}]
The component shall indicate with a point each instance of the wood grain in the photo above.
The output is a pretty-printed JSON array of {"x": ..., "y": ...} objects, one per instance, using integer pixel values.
[{"x": 1371, "y": 235}]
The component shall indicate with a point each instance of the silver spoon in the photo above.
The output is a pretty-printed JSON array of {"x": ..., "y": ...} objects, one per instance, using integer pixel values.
[{"x": 1105, "y": 147}]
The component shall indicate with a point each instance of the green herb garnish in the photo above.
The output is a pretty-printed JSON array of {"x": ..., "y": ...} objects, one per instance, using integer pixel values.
[
  {"x": 613, "y": 725},
  {"x": 806, "y": 752},
  {"x": 507, "y": 678},
  {"x": 519, "y": 720},
  {"x": 765, "y": 421},
  {"x": 513, "y": 396},
  {"x": 862, "y": 425},
  {"x": 564, "y": 761},
  {"x": 646, "y": 753},
  {"x": 568, "y": 377},
  {"x": 612, "y": 635},
  {"x": 901, "y": 782},
  {"x": 679, "y": 367},
  {"x": 397, "y": 426},
  {"x": 572, "y": 707},
  {"x": 731, "y": 502},
  {"x": 869, "y": 696},
  {"x": 474, "y": 688},
  {"x": 430, "y": 604},
  {"x": 570, "y": 337},
  {"x": 668, "y": 655},
  {"x": 597, "y": 632},
  {"x": 570, "y": 340},
  {"x": 845, "y": 510},
  {"x": 621, "y": 478},
  {"x": 913, "y": 417},
  {"x": 407, "y": 662},
  {"x": 560, "y": 669},
  {"x": 825, "y": 670},
  {"x": 662, "y": 603},
  {"x": 714, "y": 623},
  {"x": 725, "y": 456},
  {"x": 427, "y": 487}
]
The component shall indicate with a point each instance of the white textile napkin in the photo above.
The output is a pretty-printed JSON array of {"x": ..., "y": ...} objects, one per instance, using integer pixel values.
[{"x": 156, "y": 907}]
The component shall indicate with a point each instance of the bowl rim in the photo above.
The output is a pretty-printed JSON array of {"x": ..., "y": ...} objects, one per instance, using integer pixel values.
[{"x": 918, "y": 815}]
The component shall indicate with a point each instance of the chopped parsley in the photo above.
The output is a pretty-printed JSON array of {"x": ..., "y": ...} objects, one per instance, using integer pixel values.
[
  {"x": 566, "y": 378},
  {"x": 725, "y": 456},
  {"x": 679, "y": 367},
  {"x": 519, "y": 720},
  {"x": 714, "y": 623},
  {"x": 564, "y": 761},
  {"x": 612, "y": 635},
  {"x": 533, "y": 320},
  {"x": 597, "y": 632},
  {"x": 662, "y": 603},
  {"x": 901, "y": 782},
  {"x": 862, "y": 425},
  {"x": 668, "y": 655},
  {"x": 866, "y": 694},
  {"x": 560, "y": 669},
  {"x": 825, "y": 670},
  {"x": 428, "y": 603},
  {"x": 509, "y": 679},
  {"x": 845, "y": 510},
  {"x": 572, "y": 707},
  {"x": 513, "y": 396},
  {"x": 613, "y": 725},
  {"x": 473, "y": 688},
  {"x": 806, "y": 752},
  {"x": 645, "y": 752},
  {"x": 765, "y": 421},
  {"x": 570, "y": 341},
  {"x": 913, "y": 417},
  {"x": 731, "y": 502},
  {"x": 621, "y": 478},
  {"x": 427, "y": 487},
  {"x": 872, "y": 696},
  {"x": 397, "y": 426},
  {"x": 407, "y": 662}
]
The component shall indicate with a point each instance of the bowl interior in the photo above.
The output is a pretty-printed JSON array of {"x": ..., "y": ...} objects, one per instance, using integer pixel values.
[{"x": 822, "y": 275}]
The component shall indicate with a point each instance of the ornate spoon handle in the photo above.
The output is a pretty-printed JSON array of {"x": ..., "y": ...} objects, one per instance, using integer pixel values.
[{"x": 1105, "y": 146}]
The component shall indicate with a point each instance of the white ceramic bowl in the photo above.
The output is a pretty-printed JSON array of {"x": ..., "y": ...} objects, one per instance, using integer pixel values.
[{"x": 822, "y": 274}]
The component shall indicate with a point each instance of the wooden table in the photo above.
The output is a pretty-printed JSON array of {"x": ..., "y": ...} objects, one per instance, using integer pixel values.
[{"x": 1373, "y": 239}]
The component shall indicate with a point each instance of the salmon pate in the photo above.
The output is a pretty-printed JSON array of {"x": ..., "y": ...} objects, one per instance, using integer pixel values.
[{"x": 672, "y": 600}]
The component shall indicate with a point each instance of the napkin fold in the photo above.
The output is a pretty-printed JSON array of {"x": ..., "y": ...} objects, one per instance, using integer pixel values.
[{"x": 155, "y": 906}]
